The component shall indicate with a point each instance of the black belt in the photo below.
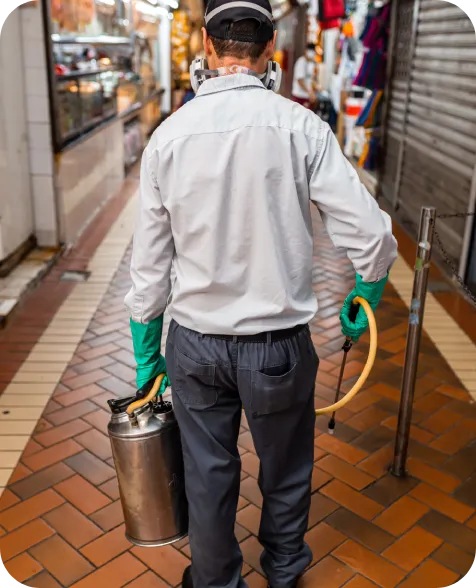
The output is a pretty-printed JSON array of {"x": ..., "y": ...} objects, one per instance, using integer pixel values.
[{"x": 269, "y": 337}]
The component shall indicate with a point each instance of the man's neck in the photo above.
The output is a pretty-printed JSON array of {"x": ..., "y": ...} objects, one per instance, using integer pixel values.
[{"x": 229, "y": 62}]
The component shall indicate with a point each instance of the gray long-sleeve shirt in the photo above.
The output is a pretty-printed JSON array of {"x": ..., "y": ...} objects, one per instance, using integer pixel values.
[{"x": 225, "y": 191}]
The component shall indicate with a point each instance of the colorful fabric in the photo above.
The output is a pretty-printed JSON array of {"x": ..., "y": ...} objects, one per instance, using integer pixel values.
[
  {"x": 370, "y": 115},
  {"x": 302, "y": 101},
  {"x": 374, "y": 37},
  {"x": 331, "y": 9},
  {"x": 377, "y": 27},
  {"x": 370, "y": 162},
  {"x": 329, "y": 24},
  {"x": 370, "y": 119},
  {"x": 189, "y": 95},
  {"x": 348, "y": 29}
]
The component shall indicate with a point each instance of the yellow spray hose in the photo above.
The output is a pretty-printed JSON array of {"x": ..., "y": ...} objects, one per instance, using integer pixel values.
[
  {"x": 368, "y": 366},
  {"x": 149, "y": 398},
  {"x": 347, "y": 398}
]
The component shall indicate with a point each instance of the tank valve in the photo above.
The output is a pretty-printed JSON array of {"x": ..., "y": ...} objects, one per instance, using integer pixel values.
[{"x": 133, "y": 420}]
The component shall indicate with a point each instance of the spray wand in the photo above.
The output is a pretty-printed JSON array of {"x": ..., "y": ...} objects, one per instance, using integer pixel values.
[{"x": 354, "y": 309}]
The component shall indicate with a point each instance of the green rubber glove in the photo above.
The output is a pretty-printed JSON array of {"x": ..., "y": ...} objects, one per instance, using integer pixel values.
[
  {"x": 372, "y": 292},
  {"x": 150, "y": 362}
]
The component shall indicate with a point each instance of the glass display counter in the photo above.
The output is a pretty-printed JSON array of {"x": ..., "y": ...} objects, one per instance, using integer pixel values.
[{"x": 84, "y": 100}]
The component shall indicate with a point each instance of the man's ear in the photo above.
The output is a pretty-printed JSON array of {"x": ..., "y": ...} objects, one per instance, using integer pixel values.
[
  {"x": 207, "y": 44},
  {"x": 271, "y": 49}
]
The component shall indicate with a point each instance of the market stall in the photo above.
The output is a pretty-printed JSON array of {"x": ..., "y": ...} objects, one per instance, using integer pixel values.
[
  {"x": 181, "y": 54},
  {"x": 285, "y": 51},
  {"x": 106, "y": 80},
  {"x": 290, "y": 18},
  {"x": 186, "y": 39},
  {"x": 355, "y": 52}
]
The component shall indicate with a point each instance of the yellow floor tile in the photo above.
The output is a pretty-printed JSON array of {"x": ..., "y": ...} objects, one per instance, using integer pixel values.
[
  {"x": 10, "y": 400},
  {"x": 25, "y": 377},
  {"x": 17, "y": 427},
  {"x": 9, "y": 459},
  {"x": 13, "y": 442},
  {"x": 29, "y": 388}
]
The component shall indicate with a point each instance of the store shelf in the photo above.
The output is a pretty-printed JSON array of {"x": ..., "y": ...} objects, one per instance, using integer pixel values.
[
  {"x": 100, "y": 40},
  {"x": 131, "y": 113},
  {"x": 75, "y": 138},
  {"x": 82, "y": 74}
]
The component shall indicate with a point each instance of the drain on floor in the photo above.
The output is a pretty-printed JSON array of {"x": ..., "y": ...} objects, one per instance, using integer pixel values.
[{"x": 75, "y": 276}]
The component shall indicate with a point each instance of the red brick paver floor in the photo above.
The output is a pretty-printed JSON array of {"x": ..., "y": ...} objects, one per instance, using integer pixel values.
[{"x": 60, "y": 517}]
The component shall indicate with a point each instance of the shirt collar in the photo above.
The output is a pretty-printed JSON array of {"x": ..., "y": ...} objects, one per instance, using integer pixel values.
[{"x": 229, "y": 82}]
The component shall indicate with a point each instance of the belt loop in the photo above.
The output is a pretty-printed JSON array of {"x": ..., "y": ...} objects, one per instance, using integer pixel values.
[
  {"x": 235, "y": 338},
  {"x": 269, "y": 338}
]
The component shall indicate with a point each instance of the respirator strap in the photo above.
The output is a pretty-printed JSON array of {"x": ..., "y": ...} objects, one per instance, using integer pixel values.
[
  {"x": 209, "y": 73},
  {"x": 271, "y": 79}
]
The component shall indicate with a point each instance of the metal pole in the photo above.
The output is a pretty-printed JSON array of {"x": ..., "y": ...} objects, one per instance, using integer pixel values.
[{"x": 415, "y": 324}]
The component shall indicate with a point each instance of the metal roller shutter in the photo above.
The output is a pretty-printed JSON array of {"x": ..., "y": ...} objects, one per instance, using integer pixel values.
[
  {"x": 398, "y": 92},
  {"x": 437, "y": 155},
  {"x": 440, "y": 154}
]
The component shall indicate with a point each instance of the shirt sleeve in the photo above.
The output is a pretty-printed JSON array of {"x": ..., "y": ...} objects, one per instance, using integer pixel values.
[
  {"x": 153, "y": 248},
  {"x": 350, "y": 214}
]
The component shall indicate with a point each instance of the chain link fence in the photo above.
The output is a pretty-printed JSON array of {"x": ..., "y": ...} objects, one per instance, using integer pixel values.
[{"x": 446, "y": 257}]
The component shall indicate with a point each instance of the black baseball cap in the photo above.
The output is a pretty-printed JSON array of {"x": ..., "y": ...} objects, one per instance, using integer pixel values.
[{"x": 221, "y": 14}]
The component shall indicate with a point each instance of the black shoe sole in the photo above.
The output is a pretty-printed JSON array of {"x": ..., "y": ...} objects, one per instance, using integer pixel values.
[{"x": 187, "y": 581}]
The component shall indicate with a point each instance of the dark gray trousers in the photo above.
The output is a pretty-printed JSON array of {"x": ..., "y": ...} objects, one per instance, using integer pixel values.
[{"x": 212, "y": 379}]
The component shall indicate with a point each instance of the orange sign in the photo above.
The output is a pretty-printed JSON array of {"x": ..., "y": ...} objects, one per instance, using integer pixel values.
[
  {"x": 72, "y": 15},
  {"x": 85, "y": 10}
]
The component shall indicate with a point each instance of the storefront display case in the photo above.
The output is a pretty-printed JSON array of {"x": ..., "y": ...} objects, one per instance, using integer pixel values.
[
  {"x": 182, "y": 55},
  {"x": 85, "y": 100},
  {"x": 104, "y": 63},
  {"x": 93, "y": 82},
  {"x": 186, "y": 38},
  {"x": 104, "y": 58}
]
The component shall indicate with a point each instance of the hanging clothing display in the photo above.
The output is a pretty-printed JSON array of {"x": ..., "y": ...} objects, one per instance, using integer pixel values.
[
  {"x": 329, "y": 24},
  {"x": 369, "y": 121},
  {"x": 375, "y": 40},
  {"x": 330, "y": 13},
  {"x": 371, "y": 114},
  {"x": 352, "y": 48},
  {"x": 331, "y": 10}
]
